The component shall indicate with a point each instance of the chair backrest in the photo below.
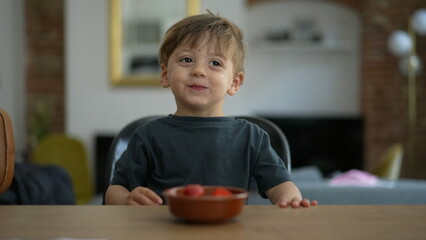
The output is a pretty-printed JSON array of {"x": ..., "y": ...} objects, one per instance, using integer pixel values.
[
  {"x": 119, "y": 144},
  {"x": 70, "y": 154},
  {"x": 278, "y": 139},
  {"x": 7, "y": 151}
]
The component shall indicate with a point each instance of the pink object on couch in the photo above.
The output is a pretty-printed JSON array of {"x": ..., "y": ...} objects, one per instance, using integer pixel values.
[{"x": 355, "y": 178}]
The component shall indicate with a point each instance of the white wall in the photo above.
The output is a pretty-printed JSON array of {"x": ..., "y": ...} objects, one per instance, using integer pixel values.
[
  {"x": 285, "y": 83},
  {"x": 304, "y": 78},
  {"x": 12, "y": 67}
]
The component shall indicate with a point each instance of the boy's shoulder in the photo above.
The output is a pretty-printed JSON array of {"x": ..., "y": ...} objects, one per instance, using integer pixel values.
[
  {"x": 146, "y": 123},
  {"x": 250, "y": 125},
  {"x": 160, "y": 122}
]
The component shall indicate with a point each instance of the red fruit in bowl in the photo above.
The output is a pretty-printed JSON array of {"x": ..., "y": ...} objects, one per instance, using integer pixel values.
[
  {"x": 194, "y": 190},
  {"x": 221, "y": 192}
]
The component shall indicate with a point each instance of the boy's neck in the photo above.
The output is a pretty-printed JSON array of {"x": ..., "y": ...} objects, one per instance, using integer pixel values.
[{"x": 201, "y": 113}]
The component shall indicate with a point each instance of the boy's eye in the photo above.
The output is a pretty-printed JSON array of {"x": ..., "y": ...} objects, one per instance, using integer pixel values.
[
  {"x": 186, "y": 60},
  {"x": 216, "y": 63}
]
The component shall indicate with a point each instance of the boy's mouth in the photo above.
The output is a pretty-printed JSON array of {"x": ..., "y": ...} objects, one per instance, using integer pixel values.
[{"x": 197, "y": 87}]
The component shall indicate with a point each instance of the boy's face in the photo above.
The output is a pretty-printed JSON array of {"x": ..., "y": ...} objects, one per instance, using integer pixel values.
[{"x": 200, "y": 77}]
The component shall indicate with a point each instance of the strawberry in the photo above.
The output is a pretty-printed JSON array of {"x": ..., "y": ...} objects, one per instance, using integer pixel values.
[
  {"x": 194, "y": 190},
  {"x": 221, "y": 192}
]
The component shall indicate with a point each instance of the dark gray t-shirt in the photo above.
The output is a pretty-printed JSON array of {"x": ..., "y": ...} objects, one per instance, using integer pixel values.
[{"x": 175, "y": 151}]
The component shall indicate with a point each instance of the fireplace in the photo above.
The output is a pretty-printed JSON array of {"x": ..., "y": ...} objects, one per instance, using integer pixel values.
[{"x": 330, "y": 143}]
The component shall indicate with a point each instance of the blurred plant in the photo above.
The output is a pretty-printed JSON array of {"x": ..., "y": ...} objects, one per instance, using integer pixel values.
[{"x": 39, "y": 121}]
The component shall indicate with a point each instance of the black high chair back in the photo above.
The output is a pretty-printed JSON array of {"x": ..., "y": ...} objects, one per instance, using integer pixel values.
[{"x": 119, "y": 144}]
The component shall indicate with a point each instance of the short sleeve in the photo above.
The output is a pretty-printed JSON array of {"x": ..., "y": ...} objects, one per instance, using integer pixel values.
[
  {"x": 131, "y": 168},
  {"x": 270, "y": 169}
]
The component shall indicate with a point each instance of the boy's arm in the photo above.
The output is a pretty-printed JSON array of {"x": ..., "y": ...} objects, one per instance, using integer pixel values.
[
  {"x": 287, "y": 194},
  {"x": 116, "y": 195},
  {"x": 119, "y": 195}
]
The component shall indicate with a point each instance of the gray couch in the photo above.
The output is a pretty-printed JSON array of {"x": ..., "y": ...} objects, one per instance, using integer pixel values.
[{"x": 315, "y": 187}]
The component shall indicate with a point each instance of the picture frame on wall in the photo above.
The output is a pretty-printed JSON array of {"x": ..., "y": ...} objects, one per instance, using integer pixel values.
[{"x": 136, "y": 31}]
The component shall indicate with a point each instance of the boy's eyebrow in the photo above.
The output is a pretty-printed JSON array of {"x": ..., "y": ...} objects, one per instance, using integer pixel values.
[
  {"x": 219, "y": 54},
  {"x": 189, "y": 49}
]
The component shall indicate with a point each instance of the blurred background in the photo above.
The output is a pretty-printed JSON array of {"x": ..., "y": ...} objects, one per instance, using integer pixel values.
[{"x": 321, "y": 69}]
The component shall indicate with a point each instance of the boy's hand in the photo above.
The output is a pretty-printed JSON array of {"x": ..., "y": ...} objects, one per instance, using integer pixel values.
[
  {"x": 297, "y": 202},
  {"x": 287, "y": 194},
  {"x": 143, "y": 196}
]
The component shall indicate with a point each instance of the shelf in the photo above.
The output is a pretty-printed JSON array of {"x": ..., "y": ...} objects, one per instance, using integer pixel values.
[{"x": 301, "y": 47}]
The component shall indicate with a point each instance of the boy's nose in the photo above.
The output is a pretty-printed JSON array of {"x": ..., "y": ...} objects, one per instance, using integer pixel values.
[{"x": 198, "y": 71}]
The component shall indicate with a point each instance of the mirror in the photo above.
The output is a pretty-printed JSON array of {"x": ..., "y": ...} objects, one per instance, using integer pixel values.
[{"x": 136, "y": 31}]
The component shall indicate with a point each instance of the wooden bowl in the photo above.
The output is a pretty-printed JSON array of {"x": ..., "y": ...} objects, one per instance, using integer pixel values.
[{"x": 206, "y": 208}]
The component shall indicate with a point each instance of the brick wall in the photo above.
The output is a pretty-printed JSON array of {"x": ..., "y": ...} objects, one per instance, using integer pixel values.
[
  {"x": 44, "y": 29},
  {"x": 385, "y": 89}
]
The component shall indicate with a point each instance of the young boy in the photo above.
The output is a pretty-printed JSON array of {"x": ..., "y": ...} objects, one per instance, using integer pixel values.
[{"x": 202, "y": 60}]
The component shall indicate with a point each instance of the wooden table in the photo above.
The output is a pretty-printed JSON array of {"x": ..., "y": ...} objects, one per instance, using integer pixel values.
[{"x": 256, "y": 222}]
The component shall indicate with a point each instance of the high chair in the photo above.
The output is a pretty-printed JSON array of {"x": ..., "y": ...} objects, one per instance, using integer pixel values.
[{"x": 119, "y": 144}]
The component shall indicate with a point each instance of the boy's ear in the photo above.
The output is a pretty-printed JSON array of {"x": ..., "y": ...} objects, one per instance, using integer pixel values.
[
  {"x": 236, "y": 83},
  {"x": 164, "y": 78}
]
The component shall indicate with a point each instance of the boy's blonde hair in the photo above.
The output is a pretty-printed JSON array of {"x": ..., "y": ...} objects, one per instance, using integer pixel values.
[{"x": 220, "y": 32}]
